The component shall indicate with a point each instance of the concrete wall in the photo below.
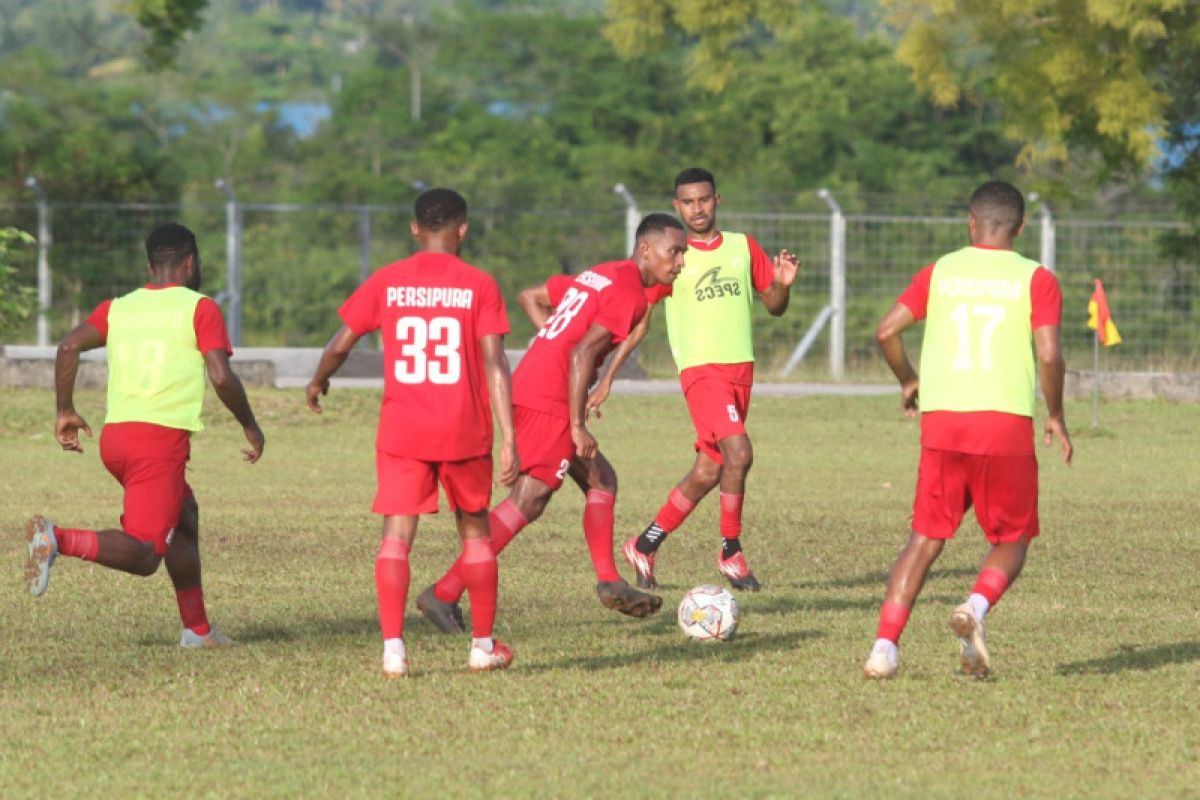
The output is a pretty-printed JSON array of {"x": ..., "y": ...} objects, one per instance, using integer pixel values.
[{"x": 33, "y": 367}]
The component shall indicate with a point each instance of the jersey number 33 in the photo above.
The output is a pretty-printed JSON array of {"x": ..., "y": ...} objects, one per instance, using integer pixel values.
[{"x": 430, "y": 350}]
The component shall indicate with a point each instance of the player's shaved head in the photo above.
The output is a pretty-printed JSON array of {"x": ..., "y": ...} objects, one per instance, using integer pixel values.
[
  {"x": 437, "y": 208},
  {"x": 695, "y": 175},
  {"x": 999, "y": 206},
  {"x": 170, "y": 245},
  {"x": 656, "y": 223}
]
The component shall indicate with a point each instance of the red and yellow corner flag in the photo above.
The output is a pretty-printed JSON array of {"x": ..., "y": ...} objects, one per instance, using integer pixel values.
[{"x": 1100, "y": 319}]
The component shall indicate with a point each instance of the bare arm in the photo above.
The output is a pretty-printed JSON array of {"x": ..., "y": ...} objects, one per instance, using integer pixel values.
[
  {"x": 499, "y": 383},
  {"x": 897, "y": 320},
  {"x": 620, "y": 356},
  {"x": 535, "y": 302},
  {"x": 776, "y": 296},
  {"x": 229, "y": 389},
  {"x": 68, "y": 423},
  {"x": 336, "y": 351},
  {"x": 583, "y": 366},
  {"x": 1052, "y": 370}
]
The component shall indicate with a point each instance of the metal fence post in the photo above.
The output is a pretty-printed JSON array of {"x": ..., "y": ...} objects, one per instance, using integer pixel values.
[
  {"x": 1048, "y": 242},
  {"x": 837, "y": 286},
  {"x": 43, "y": 262},
  {"x": 233, "y": 262},
  {"x": 632, "y": 217},
  {"x": 364, "y": 243}
]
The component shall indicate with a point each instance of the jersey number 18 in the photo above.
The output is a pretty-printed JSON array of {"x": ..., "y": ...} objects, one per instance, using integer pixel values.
[{"x": 429, "y": 350}]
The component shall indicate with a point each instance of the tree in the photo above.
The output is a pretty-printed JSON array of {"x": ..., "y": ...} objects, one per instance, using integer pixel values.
[
  {"x": 16, "y": 298},
  {"x": 166, "y": 22},
  {"x": 1113, "y": 76}
]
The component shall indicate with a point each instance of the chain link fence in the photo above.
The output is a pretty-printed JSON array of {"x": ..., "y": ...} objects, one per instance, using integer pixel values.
[{"x": 297, "y": 263}]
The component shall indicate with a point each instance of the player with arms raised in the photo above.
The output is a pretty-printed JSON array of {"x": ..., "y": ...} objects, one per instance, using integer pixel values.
[
  {"x": 708, "y": 323},
  {"x": 987, "y": 313},
  {"x": 443, "y": 325},
  {"x": 580, "y": 319},
  {"x": 161, "y": 341}
]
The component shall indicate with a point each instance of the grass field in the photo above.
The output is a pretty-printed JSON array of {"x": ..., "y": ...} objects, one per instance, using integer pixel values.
[{"x": 1096, "y": 650}]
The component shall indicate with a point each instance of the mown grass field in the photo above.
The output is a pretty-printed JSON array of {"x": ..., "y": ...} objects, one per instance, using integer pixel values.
[{"x": 1096, "y": 650}]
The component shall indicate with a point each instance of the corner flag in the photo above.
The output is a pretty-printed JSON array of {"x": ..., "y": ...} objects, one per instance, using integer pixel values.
[{"x": 1100, "y": 319}]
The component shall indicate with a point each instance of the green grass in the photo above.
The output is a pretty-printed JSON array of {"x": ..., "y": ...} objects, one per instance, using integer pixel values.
[{"x": 1096, "y": 650}]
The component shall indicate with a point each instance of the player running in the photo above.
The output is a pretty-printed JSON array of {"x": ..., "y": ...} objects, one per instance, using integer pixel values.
[
  {"x": 579, "y": 319},
  {"x": 443, "y": 324},
  {"x": 161, "y": 340},
  {"x": 708, "y": 324},
  {"x": 983, "y": 306}
]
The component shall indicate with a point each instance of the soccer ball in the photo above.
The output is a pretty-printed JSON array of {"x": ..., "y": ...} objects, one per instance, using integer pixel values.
[{"x": 708, "y": 612}]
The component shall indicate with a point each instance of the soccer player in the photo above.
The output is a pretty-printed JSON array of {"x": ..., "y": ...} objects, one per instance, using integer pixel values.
[
  {"x": 987, "y": 312},
  {"x": 443, "y": 325},
  {"x": 161, "y": 340},
  {"x": 579, "y": 319},
  {"x": 708, "y": 324}
]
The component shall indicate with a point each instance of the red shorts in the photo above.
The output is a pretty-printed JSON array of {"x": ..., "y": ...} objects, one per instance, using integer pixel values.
[
  {"x": 718, "y": 405},
  {"x": 544, "y": 445},
  {"x": 1003, "y": 489},
  {"x": 408, "y": 486},
  {"x": 148, "y": 461}
]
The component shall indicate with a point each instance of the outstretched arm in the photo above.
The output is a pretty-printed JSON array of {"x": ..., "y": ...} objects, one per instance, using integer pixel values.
[
  {"x": 1052, "y": 370},
  {"x": 887, "y": 336},
  {"x": 229, "y": 389},
  {"x": 535, "y": 302},
  {"x": 68, "y": 423},
  {"x": 620, "y": 356},
  {"x": 499, "y": 383},
  {"x": 776, "y": 296},
  {"x": 336, "y": 351},
  {"x": 582, "y": 368}
]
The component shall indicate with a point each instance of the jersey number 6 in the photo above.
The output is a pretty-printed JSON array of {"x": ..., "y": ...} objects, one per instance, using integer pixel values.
[{"x": 416, "y": 364}]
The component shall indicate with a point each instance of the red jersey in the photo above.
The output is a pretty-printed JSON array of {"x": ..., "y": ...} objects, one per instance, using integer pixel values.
[
  {"x": 432, "y": 309},
  {"x": 211, "y": 333},
  {"x": 610, "y": 295},
  {"x": 992, "y": 433}
]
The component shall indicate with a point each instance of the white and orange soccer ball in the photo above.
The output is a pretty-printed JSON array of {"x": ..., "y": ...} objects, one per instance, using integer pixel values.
[{"x": 708, "y": 612}]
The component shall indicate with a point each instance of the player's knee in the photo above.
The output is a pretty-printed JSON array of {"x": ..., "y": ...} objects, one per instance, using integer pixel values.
[
  {"x": 147, "y": 565},
  {"x": 738, "y": 455}
]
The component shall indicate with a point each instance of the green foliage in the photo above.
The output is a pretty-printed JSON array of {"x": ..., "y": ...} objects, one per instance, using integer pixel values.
[
  {"x": 1100, "y": 74},
  {"x": 167, "y": 22},
  {"x": 16, "y": 297}
]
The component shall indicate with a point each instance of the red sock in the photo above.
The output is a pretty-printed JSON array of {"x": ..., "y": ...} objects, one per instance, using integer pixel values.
[
  {"x": 731, "y": 515},
  {"x": 78, "y": 543},
  {"x": 892, "y": 619},
  {"x": 991, "y": 583},
  {"x": 674, "y": 511},
  {"x": 504, "y": 523},
  {"x": 480, "y": 575},
  {"x": 191, "y": 610},
  {"x": 391, "y": 586},
  {"x": 598, "y": 530}
]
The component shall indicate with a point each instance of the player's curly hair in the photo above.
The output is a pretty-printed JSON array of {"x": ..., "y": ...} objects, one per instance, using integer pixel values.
[
  {"x": 695, "y": 175},
  {"x": 169, "y": 245},
  {"x": 437, "y": 208},
  {"x": 998, "y": 204}
]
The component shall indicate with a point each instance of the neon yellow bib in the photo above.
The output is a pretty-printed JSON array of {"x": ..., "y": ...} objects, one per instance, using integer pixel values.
[
  {"x": 155, "y": 371},
  {"x": 708, "y": 311},
  {"x": 977, "y": 354}
]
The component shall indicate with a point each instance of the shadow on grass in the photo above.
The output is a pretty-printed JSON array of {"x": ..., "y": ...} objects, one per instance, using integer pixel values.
[
  {"x": 798, "y": 605},
  {"x": 677, "y": 651},
  {"x": 272, "y": 633},
  {"x": 1131, "y": 657},
  {"x": 879, "y": 578}
]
